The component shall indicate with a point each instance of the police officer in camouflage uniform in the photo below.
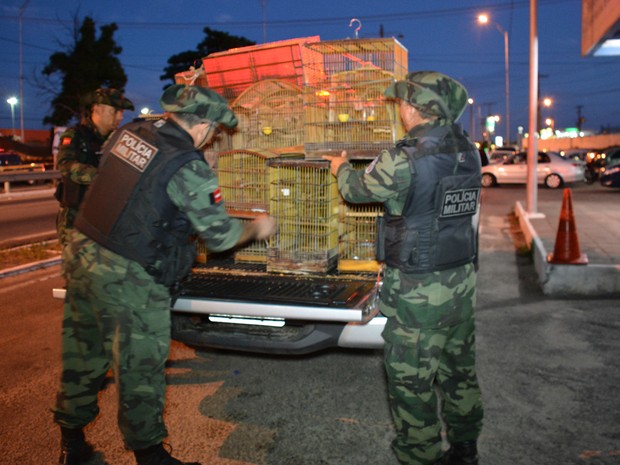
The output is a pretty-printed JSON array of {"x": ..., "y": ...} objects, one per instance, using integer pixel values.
[
  {"x": 129, "y": 247},
  {"x": 430, "y": 186},
  {"x": 80, "y": 150}
]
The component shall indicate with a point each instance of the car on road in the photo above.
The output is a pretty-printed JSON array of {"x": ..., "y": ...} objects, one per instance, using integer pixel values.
[
  {"x": 611, "y": 176},
  {"x": 552, "y": 170},
  {"x": 12, "y": 163}
]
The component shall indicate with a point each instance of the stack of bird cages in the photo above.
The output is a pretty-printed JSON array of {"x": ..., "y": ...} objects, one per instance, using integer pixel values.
[
  {"x": 358, "y": 233},
  {"x": 270, "y": 115},
  {"x": 303, "y": 198},
  {"x": 242, "y": 176},
  {"x": 345, "y": 108}
]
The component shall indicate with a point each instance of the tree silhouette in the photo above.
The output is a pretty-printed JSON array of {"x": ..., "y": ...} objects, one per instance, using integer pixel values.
[
  {"x": 215, "y": 41},
  {"x": 88, "y": 63}
]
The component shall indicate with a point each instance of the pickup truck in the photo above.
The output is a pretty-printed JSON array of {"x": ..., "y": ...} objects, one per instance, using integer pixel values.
[{"x": 233, "y": 306}]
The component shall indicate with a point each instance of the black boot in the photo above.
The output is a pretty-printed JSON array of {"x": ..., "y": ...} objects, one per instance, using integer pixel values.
[
  {"x": 462, "y": 453},
  {"x": 157, "y": 455},
  {"x": 74, "y": 450}
]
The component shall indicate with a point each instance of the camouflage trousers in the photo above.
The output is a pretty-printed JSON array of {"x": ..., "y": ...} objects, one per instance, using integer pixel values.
[
  {"x": 64, "y": 223},
  {"x": 432, "y": 378},
  {"x": 115, "y": 317}
]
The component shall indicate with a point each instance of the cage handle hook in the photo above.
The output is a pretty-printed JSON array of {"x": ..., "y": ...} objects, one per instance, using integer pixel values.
[{"x": 359, "y": 26}]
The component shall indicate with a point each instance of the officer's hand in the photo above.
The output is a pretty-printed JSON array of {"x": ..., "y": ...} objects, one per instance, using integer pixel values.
[
  {"x": 335, "y": 162},
  {"x": 264, "y": 226}
]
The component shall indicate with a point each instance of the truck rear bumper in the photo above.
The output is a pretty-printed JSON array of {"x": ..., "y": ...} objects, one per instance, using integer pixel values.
[{"x": 291, "y": 337}]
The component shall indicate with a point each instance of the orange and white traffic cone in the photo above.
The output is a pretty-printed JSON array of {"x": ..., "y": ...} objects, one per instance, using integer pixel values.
[{"x": 566, "y": 250}]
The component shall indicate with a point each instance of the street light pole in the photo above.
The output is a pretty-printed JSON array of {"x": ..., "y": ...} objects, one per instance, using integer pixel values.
[
  {"x": 472, "y": 134},
  {"x": 532, "y": 143},
  {"x": 21, "y": 72},
  {"x": 507, "y": 88},
  {"x": 483, "y": 19}
]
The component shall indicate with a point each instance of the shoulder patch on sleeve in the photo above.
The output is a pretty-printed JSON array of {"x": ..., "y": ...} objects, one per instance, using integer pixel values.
[
  {"x": 66, "y": 141},
  {"x": 216, "y": 196}
]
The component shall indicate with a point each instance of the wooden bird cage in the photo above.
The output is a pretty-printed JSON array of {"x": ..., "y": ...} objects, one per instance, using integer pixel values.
[
  {"x": 358, "y": 233},
  {"x": 242, "y": 176},
  {"x": 303, "y": 198},
  {"x": 345, "y": 108},
  {"x": 270, "y": 115}
]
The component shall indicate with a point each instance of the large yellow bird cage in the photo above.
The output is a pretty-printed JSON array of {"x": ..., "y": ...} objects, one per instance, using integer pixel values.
[
  {"x": 304, "y": 200},
  {"x": 344, "y": 107},
  {"x": 242, "y": 176},
  {"x": 358, "y": 233},
  {"x": 270, "y": 115}
]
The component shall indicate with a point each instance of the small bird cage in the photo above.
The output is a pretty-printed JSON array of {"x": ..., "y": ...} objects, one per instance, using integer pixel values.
[
  {"x": 242, "y": 176},
  {"x": 201, "y": 251},
  {"x": 358, "y": 233},
  {"x": 303, "y": 198},
  {"x": 345, "y": 108},
  {"x": 270, "y": 114},
  {"x": 252, "y": 252}
]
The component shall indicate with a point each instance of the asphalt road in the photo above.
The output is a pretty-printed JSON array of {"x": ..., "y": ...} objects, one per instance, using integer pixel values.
[{"x": 547, "y": 368}]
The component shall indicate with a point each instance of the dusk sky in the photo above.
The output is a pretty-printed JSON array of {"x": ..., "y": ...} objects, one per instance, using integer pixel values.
[{"x": 441, "y": 35}]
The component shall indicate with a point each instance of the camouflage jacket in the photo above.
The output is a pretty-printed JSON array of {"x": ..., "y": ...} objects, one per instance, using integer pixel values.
[{"x": 78, "y": 158}]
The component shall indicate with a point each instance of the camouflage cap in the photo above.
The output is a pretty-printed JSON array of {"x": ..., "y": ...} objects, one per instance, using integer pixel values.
[
  {"x": 199, "y": 101},
  {"x": 109, "y": 96},
  {"x": 432, "y": 93}
]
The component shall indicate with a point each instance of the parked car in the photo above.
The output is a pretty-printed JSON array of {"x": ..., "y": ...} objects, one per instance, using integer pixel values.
[
  {"x": 553, "y": 170},
  {"x": 611, "y": 176},
  {"x": 501, "y": 154},
  {"x": 610, "y": 156},
  {"x": 10, "y": 159}
]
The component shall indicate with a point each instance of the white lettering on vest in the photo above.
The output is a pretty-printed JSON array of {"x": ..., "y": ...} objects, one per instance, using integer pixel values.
[
  {"x": 461, "y": 202},
  {"x": 133, "y": 150}
]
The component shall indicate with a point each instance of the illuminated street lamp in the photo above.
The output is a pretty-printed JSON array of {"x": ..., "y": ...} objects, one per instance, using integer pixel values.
[
  {"x": 484, "y": 19},
  {"x": 12, "y": 101},
  {"x": 546, "y": 102}
]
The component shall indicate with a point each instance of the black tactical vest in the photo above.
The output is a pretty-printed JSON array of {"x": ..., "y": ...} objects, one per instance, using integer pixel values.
[
  {"x": 127, "y": 209},
  {"x": 69, "y": 193},
  {"x": 436, "y": 229}
]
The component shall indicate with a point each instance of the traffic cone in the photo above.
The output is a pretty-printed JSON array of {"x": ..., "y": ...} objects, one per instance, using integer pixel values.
[{"x": 566, "y": 250}]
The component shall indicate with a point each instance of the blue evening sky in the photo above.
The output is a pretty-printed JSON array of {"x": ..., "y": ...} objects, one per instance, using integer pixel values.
[{"x": 441, "y": 35}]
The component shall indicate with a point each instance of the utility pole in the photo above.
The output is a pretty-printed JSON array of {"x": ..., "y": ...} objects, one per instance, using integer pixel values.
[
  {"x": 21, "y": 72},
  {"x": 580, "y": 118},
  {"x": 264, "y": 6}
]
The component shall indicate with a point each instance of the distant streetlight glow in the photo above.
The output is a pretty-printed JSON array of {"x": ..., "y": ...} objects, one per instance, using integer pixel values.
[
  {"x": 12, "y": 101},
  {"x": 484, "y": 19},
  {"x": 145, "y": 111}
]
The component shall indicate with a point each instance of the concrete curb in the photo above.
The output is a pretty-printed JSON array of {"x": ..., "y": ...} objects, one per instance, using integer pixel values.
[
  {"x": 567, "y": 280},
  {"x": 30, "y": 267}
]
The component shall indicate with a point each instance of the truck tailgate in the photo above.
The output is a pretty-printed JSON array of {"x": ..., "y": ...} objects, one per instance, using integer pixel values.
[{"x": 317, "y": 298}]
